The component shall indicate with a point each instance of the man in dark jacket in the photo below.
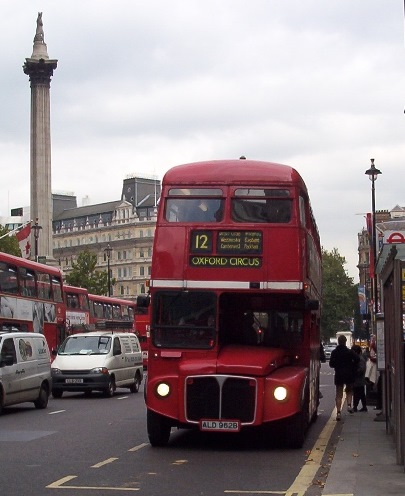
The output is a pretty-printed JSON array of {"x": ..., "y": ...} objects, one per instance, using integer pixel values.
[{"x": 345, "y": 362}]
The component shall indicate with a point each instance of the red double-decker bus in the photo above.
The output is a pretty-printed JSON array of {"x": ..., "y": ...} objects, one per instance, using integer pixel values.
[
  {"x": 235, "y": 302},
  {"x": 77, "y": 309},
  {"x": 112, "y": 313},
  {"x": 31, "y": 298}
]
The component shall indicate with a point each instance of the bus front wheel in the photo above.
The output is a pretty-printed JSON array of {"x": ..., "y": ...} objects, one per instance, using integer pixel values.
[
  {"x": 296, "y": 429},
  {"x": 158, "y": 429}
]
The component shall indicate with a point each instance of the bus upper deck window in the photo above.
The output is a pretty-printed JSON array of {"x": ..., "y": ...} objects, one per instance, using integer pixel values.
[
  {"x": 261, "y": 205},
  {"x": 44, "y": 286},
  {"x": 27, "y": 282},
  {"x": 8, "y": 279},
  {"x": 57, "y": 289},
  {"x": 194, "y": 205}
]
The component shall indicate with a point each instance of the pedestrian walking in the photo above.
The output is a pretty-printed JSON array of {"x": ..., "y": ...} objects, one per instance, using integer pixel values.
[
  {"x": 359, "y": 391},
  {"x": 345, "y": 362}
]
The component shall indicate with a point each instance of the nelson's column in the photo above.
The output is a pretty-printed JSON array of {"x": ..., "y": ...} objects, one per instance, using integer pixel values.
[{"x": 40, "y": 69}]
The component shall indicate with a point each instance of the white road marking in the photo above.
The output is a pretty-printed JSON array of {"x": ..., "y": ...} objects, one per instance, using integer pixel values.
[
  {"x": 58, "y": 485},
  {"x": 304, "y": 479},
  {"x": 140, "y": 446},
  {"x": 105, "y": 462}
]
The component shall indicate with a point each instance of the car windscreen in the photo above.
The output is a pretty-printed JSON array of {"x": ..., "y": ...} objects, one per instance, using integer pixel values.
[{"x": 85, "y": 345}]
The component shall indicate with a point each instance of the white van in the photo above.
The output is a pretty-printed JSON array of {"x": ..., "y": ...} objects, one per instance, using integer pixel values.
[
  {"x": 25, "y": 369},
  {"x": 97, "y": 361}
]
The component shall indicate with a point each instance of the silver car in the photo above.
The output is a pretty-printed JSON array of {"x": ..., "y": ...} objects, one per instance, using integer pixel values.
[{"x": 328, "y": 348}]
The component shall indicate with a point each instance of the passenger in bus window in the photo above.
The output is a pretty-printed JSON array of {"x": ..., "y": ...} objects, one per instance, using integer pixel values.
[
  {"x": 201, "y": 210},
  {"x": 211, "y": 321},
  {"x": 249, "y": 329}
]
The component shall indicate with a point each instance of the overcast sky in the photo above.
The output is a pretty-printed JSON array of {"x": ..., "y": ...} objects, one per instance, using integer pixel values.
[{"x": 143, "y": 86}]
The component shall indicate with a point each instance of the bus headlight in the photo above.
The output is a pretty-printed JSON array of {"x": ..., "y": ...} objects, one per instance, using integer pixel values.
[
  {"x": 280, "y": 393},
  {"x": 163, "y": 389}
]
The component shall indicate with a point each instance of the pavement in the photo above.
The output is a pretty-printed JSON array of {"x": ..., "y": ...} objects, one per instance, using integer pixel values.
[{"x": 364, "y": 463}]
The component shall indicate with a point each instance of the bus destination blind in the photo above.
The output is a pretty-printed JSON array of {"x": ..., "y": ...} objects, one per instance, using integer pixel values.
[{"x": 226, "y": 249}]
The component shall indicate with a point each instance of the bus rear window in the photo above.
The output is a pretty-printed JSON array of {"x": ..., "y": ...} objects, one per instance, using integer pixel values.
[
  {"x": 194, "y": 210},
  {"x": 263, "y": 210}
]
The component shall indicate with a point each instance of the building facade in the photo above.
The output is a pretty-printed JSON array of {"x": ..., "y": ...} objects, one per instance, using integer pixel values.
[
  {"x": 364, "y": 251},
  {"x": 122, "y": 230}
]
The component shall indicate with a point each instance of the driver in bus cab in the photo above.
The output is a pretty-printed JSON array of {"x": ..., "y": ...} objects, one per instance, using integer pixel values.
[{"x": 250, "y": 329}]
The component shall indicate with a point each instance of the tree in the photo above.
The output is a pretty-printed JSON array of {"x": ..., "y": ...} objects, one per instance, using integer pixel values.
[
  {"x": 340, "y": 299},
  {"x": 85, "y": 275},
  {"x": 9, "y": 244}
]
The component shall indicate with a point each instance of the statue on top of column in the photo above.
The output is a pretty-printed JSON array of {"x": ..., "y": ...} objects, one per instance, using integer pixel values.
[{"x": 39, "y": 35}]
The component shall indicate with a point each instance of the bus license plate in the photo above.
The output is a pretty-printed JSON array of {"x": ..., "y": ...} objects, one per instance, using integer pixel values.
[
  {"x": 73, "y": 381},
  {"x": 220, "y": 425}
]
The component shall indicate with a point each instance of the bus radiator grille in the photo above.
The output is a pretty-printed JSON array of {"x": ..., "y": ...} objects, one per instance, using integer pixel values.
[{"x": 220, "y": 397}]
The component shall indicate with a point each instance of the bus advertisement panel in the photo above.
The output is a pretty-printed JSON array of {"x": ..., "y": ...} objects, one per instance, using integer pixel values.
[
  {"x": 31, "y": 298},
  {"x": 235, "y": 302}
]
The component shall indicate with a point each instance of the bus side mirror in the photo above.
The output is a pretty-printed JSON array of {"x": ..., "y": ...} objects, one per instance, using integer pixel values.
[
  {"x": 143, "y": 301},
  {"x": 312, "y": 304}
]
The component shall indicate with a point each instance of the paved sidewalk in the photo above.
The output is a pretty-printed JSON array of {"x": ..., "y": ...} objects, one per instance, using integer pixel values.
[{"x": 365, "y": 460}]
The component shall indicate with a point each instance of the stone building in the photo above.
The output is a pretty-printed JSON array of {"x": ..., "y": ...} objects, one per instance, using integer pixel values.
[
  {"x": 386, "y": 221},
  {"x": 363, "y": 239},
  {"x": 126, "y": 226}
]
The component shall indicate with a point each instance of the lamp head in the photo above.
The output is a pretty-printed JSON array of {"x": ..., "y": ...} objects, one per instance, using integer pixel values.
[{"x": 373, "y": 172}]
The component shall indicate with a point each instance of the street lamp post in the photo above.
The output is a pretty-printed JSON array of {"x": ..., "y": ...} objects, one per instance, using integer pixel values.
[
  {"x": 373, "y": 174},
  {"x": 36, "y": 228},
  {"x": 108, "y": 251}
]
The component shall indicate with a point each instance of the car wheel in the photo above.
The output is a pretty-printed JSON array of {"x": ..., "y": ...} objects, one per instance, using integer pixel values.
[
  {"x": 134, "y": 388},
  {"x": 42, "y": 401},
  {"x": 109, "y": 391}
]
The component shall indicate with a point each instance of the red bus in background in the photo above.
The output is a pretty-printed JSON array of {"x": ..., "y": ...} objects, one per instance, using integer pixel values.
[
  {"x": 77, "y": 309},
  {"x": 235, "y": 302},
  {"x": 31, "y": 298},
  {"x": 142, "y": 326},
  {"x": 112, "y": 313}
]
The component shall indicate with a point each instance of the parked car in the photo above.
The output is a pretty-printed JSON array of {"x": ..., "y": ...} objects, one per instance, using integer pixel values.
[
  {"x": 97, "y": 361},
  {"x": 328, "y": 348},
  {"x": 25, "y": 369}
]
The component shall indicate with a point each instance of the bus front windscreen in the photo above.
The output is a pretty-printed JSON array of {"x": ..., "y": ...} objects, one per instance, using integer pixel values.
[{"x": 184, "y": 320}]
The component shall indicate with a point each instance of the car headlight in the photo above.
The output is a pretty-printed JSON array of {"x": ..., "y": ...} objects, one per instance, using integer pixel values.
[
  {"x": 280, "y": 393},
  {"x": 55, "y": 371},
  {"x": 163, "y": 389},
  {"x": 99, "y": 370}
]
